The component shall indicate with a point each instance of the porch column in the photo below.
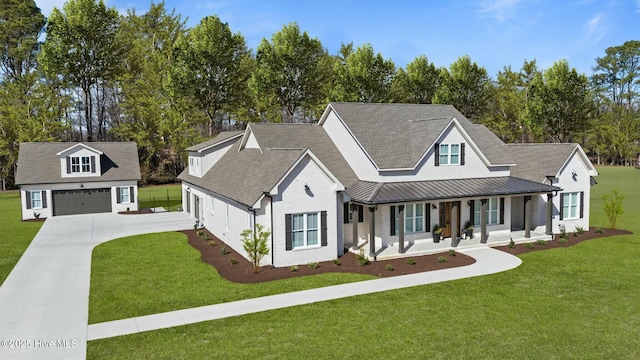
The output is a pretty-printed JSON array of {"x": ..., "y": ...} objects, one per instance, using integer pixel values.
[
  {"x": 455, "y": 231},
  {"x": 401, "y": 230},
  {"x": 527, "y": 216},
  {"x": 549, "y": 219},
  {"x": 372, "y": 232},
  {"x": 483, "y": 221},
  {"x": 354, "y": 226}
]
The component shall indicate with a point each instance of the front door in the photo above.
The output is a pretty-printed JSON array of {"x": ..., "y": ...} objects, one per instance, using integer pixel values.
[{"x": 445, "y": 218}]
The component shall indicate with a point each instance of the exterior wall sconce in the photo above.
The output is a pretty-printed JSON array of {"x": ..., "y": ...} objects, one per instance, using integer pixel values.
[
  {"x": 81, "y": 185},
  {"x": 574, "y": 175},
  {"x": 433, "y": 206},
  {"x": 306, "y": 187}
]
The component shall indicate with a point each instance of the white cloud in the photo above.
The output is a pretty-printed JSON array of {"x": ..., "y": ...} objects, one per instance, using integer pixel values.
[
  {"x": 595, "y": 29},
  {"x": 499, "y": 9}
]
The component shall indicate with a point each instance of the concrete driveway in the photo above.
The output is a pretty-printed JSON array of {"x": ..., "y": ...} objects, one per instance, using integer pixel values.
[{"x": 44, "y": 301}]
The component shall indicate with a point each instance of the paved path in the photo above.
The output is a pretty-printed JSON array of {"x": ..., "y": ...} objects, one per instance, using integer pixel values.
[
  {"x": 44, "y": 301},
  {"x": 488, "y": 261}
]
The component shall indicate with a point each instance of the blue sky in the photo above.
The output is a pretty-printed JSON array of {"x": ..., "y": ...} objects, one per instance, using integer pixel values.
[{"x": 494, "y": 33}]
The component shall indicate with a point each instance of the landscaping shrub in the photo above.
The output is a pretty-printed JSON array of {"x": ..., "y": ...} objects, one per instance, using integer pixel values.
[
  {"x": 212, "y": 243},
  {"x": 512, "y": 244},
  {"x": 579, "y": 229},
  {"x": 337, "y": 261},
  {"x": 442, "y": 259},
  {"x": 411, "y": 261},
  {"x": 362, "y": 260},
  {"x": 562, "y": 241},
  {"x": 313, "y": 265},
  {"x": 389, "y": 267},
  {"x": 452, "y": 252},
  {"x": 293, "y": 268},
  {"x": 530, "y": 245},
  {"x": 224, "y": 251},
  {"x": 541, "y": 242},
  {"x": 613, "y": 207},
  {"x": 233, "y": 261}
]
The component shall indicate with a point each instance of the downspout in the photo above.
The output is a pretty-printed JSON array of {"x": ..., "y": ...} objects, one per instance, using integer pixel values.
[{"x": 267, "y": 194}]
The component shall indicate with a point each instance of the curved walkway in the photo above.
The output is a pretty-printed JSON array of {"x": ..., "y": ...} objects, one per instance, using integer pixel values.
[
  {"x": 488, "y": 261},
  {"x": 44, "y": 301}
]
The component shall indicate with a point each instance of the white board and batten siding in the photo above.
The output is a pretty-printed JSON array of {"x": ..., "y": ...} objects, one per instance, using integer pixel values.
[{"x": 581, "y": 183}]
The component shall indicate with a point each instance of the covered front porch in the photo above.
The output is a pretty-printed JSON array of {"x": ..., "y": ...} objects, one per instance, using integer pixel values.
[
  {"x": 427, "y": 246},
  {"x": 402, "y": 219}
]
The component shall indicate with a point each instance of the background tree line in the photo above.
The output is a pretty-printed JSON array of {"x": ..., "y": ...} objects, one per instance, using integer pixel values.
[{"x": 103, "y": 76}]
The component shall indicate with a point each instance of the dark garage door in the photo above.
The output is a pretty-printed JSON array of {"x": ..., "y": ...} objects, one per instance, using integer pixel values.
[{"x": 69, "y": 202}]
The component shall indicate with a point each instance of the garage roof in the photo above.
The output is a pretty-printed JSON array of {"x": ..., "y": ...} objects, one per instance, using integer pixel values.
[{"x": 38, "y": 162}]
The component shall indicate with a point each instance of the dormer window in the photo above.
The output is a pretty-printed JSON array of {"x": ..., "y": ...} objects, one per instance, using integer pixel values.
[
  {"x": 449, "y": 154},
  {"x": 81, "y": 164}
]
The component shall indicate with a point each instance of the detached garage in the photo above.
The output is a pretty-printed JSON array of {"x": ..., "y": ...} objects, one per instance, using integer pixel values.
[{"x": 58, "y": 179}]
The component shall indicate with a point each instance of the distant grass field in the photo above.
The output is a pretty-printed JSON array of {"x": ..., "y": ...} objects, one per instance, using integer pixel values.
[
  {"x": 15, "y": 235},
  {"x": 580, "y": 302},
  {"x": 165, "y": 196}
]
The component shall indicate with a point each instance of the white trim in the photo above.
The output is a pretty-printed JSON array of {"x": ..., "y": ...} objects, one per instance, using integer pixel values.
[
  {"x": 218, "y": 143},
  {"x": 82, "y": 145}
]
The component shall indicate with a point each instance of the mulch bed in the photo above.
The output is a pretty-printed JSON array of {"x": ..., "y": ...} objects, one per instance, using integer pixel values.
[
  {"x": 571, "y": 240},
  {"x": 242, "y": 272}
]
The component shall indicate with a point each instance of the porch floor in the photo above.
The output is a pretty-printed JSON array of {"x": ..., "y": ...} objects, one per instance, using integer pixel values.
[{"x": 427, "y": 246}]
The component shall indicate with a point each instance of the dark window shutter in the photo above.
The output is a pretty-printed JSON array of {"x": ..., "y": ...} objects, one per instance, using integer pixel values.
[
  {"x": 392, "y": 220},
  {"x": 561, "y": 206},
  {"x": 44, "y": 199},
  {"x": 323, "y": 228},
  {"x": 288, "y": 236},
  {"x": 93, "y": 164},
  {"x": 472, "y": 204},
  {"x": 443, "y": 214},
  {"x": 118, "y": 195},
  {"x": 131, "y": 199},
  {"x": 28, "y": 194},
  {"x": 581, "y": 204},
  {"x": 462, "y": 154},
  {"x": 360, "y": 213},
  {"x": 501, "y": 210},
  {"x": 437, "y": 155},
  {"x": 427, "y": 218},
  {"x": 345, "y": 211},
  {"x": 68, "y": 164}
]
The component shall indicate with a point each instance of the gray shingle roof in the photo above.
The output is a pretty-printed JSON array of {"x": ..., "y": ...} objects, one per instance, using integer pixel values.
[
  {"x": 383, "y": 193},
  {"x": 309, "y": 136},
  {"x": 225, "y": 135},
  {"x": 398, "y": 135},
  {"x": 244, "y": 176},
  {"x": 536, "y": 161},
  {"x": 39, "y": 164}
]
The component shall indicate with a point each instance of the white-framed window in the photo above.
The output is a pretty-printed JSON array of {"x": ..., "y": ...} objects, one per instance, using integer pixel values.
[
  {"x": 86, "y": 164},
  {"x": 571, "y": 205},
  {"x": 413, "y": 218},
  {"x": 449, "y": 154},
  {"x": 493, "y": 212},
  {"x": 75, "y": 164},
  {"x": 36, "y": 199},
  {"x": 125, "y": 196},
  {"x": 305, "y": 230}
]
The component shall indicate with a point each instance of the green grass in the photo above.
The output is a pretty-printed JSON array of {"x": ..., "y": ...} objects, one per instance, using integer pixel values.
[
  {"x": 154, "y": 273},
  {"x": 166, "y": 196},
  {"x": 579, "y": 302},
  {"x": 15, "y": 235}
]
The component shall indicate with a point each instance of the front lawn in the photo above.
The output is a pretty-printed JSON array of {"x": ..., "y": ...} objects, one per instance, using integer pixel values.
[
  {"x": 153, "y": 273},
  {"x": 580, "y": 302},
  {"x": 15, "y": 235}
]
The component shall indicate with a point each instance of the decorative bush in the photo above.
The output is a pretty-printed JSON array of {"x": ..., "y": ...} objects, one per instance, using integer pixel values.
[
  {"x": 599, "y": 231},
  {"x": 223, "y": 251},
  {"x": 293, "y": 268},
  {"x": 205, "y": 237},
  {"x": 212, "y": 243},
  {"x": 362, "y": 260},
  {"x": 530, "y": 245},
  {"x": 442, "y": 259},
  {"x": 563, "y": 231},
  {"x": 613, "y": 207},
  {"x": 452, "y": 252},
  {"x": 389, "y": 267},
  {"x": 411, "y": 261},
  {"x": 313, "y": 265},
  {"x": 541, "y": 242},
  {"x": 512, "y": 244},
  {"x": 579, "y": 229},
  {"x": 337, "y": 261},
  {"x": 562, "y": 241},
  {"x": 200, "y": 232},
  {"x": 255, "y": 244},
  {"x": 233, "y": 261}
]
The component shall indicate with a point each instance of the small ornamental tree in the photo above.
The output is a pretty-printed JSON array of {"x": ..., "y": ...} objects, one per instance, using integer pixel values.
[
  {"x": 613, "y": 207},
  {"x": 255, "y": 244}
]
